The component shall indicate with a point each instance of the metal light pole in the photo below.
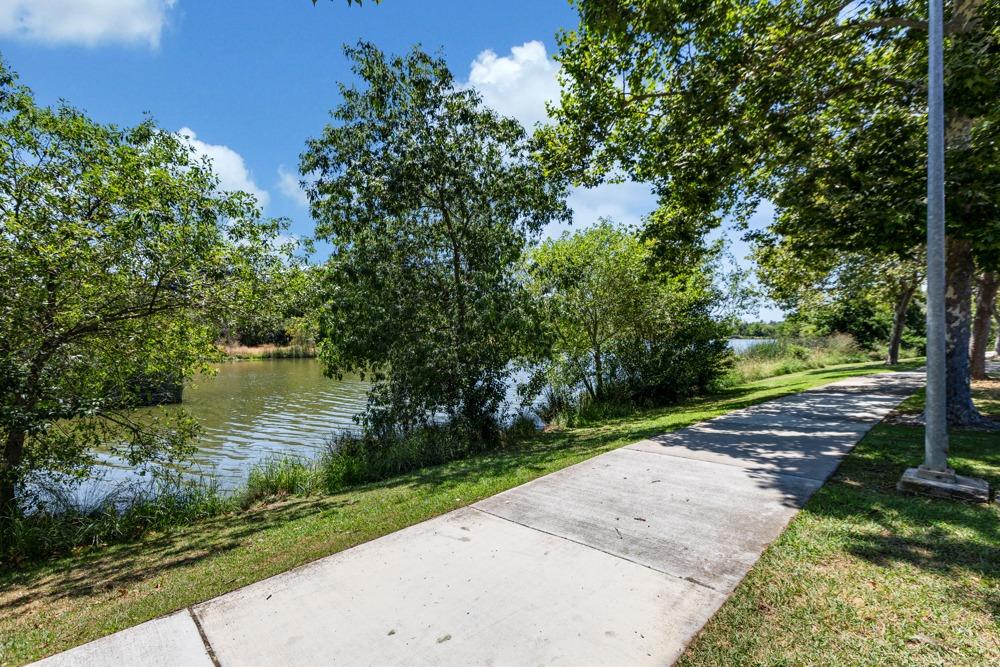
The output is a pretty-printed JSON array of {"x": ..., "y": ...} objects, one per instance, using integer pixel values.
[
  {"x": 934, "y": 477},
  {"x": 936, "y": 438}
]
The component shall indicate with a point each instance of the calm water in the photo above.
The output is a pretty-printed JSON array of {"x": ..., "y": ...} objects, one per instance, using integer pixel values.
[
  {"x": 252, "y": 410},
  {"x": 741, "y": 345}
]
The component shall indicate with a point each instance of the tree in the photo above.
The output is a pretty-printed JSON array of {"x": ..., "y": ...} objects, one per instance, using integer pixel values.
[
  {"x": 119, "y": 255},
  {"x": 621, "y": 328},
  {"x": 720, "y": 104},
  {"x": 428, "y": 199},
  {"x": 869, "y": 296},
  {"x": 986, "y": 299},
  {"x": 593, "y": 285}
]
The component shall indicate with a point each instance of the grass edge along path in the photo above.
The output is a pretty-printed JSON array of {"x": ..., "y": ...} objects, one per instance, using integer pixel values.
[
  {"x": 864, "y": 575},
  {"x": 67, "y": 602}
]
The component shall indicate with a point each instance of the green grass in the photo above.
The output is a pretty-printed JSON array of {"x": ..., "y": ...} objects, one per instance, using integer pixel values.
[
  {"x": 59, "y": 604},
  {"x": 784, "y": 356},
  {"x": 268, "y": 351},
  {"x": 866, "y": 576}
]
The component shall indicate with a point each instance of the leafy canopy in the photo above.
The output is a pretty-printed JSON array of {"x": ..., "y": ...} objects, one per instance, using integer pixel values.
[
  {"x": 820, "y": 106},
  {"x": 428, "y": 199},
  {"x": 120, "y": 255}
]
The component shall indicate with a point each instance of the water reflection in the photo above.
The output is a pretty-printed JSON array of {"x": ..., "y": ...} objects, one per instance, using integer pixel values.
[{"x": 252, "y": 410}]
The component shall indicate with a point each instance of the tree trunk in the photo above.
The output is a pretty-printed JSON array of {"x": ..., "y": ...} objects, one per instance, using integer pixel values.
[
  {"x": 599, "y": 373},
  {"x": 899, "y": 322},
  {"x": 986, "y": 296},
  {"x": 958, "y": 321},
  {"x": 586, "y": 381},
  {"x": 996, "y": 316},
  {"x": 13, "y": 451}
]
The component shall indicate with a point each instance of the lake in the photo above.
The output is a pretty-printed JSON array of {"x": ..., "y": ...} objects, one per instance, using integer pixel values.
[
  {"x": 250, "y": 411},
  {"x": 253, "y": 410}
]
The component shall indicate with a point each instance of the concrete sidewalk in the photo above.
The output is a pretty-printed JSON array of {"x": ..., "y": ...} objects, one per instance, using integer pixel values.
[{"x": 618, "y": 560}]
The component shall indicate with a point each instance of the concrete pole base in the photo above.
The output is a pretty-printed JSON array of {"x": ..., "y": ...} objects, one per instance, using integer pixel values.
[{"x": 944, "y": 484}]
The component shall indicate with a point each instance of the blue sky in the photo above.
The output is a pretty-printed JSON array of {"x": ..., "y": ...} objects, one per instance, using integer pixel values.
[{"x": 250, "y": 80}]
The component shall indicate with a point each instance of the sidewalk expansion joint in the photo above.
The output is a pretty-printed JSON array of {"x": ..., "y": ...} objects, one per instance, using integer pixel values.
[
  {"x": 204, "y": 638},
  {"x": 690, "y": 580}
]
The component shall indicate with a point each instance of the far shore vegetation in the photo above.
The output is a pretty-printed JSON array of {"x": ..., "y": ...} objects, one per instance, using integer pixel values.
[{"x": 268, "y": 351}]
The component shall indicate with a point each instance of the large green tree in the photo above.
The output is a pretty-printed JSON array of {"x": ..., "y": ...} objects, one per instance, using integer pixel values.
[
  {"x": 119, "y": 255},
  {"x": 721, "y": 103},
  {"x": 428, "y": 199}
]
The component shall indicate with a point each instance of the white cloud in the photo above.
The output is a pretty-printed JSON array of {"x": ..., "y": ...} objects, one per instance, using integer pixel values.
[
  {"x": 228, "y": 165},
  {"x": 517, "y": 85},
  {"x": 288, "y": 183},
  {"x": 625, "y": 203},
  {"x": 85, "y": 22}
]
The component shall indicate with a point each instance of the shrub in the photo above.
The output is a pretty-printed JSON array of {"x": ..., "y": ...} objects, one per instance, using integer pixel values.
[{"x": 62, "y": 519}]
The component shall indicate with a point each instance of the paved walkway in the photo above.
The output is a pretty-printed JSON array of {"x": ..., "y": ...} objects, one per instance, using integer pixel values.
[{"x": 618, "y": 560}]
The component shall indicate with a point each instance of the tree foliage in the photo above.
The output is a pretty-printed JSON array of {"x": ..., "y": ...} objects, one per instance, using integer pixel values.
[
  {"x": 621, "y": 329},
  {"x": 874, "y": 298},
  {"x": 819, "y": 106},
  {"x": 286, "y": 312},
  {"x": 721, "y": 103},
  {"x": 120, "y": 255},
  {"x": 428, "y": 199}
]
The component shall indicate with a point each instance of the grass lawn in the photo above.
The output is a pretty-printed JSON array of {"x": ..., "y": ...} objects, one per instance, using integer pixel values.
[
  {"x": 54, "y": 606},
  {"x": 866, "y": 576}
]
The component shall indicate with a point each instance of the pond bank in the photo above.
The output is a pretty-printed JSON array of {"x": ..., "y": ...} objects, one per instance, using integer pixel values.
[{"x": 268, "y": 351}]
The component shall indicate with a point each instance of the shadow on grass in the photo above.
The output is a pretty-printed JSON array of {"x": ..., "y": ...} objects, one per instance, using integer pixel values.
[
  {"x": 117, "y": 567},
  {"x": 958, "y": 540},
  {"x": 842, "y": 372}
]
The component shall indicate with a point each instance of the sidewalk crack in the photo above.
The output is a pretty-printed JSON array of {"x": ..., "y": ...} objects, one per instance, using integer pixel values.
[{"x": 204, "y": 638}]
